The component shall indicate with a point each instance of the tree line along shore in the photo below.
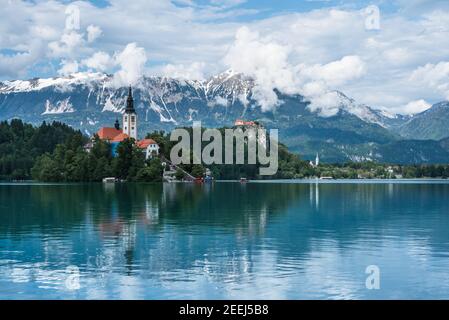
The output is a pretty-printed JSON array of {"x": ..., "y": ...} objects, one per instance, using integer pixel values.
[{"x": 54, "y": 152}]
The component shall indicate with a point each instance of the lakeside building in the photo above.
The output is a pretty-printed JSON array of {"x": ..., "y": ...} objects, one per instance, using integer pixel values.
[{"x": 116, "y": 135}]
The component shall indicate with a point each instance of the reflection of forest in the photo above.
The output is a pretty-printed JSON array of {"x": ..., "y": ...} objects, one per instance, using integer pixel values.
[
  {"x": 66, "y": 206},
  {"x": 222, "y": 229}
]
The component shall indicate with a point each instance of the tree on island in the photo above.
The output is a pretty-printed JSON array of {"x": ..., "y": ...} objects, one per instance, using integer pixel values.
[{"x": 151, "y": 173}]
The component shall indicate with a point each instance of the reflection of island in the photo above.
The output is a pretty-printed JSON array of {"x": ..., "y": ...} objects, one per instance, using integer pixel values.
[{"x": 166, "y": 231}]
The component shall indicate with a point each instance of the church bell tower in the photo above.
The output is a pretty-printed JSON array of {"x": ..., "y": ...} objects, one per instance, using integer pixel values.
[{"x": 130, "y": 117}]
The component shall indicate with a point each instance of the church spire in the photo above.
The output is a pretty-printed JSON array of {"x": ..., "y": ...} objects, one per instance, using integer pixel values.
[
  {"x": 130, "y": 102},
  {"x": 130, "y": 117}
]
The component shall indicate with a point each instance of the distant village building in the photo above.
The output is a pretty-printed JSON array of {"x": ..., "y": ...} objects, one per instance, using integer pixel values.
[
  {"x": 243, "y": 123},
  {"x": 261, "y": 135},
  {"x": 115, "y": 135}
]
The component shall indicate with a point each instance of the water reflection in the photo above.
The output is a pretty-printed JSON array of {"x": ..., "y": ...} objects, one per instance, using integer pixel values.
[{"x": 224, "y": 240}]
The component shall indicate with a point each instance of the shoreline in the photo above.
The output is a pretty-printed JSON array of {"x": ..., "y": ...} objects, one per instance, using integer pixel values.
[{"x": 286, "y": 181}]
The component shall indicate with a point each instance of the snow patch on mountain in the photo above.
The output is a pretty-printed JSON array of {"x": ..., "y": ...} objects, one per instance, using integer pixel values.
[
  {"x": 60, "y": 107},
  {"x": 62, "y": 83},
  {"x": 218, "y": 101},
  {"x": 91, "y": 122},
  {"x": 113, "y": 105},
  {"x": 155, "y": 107}
]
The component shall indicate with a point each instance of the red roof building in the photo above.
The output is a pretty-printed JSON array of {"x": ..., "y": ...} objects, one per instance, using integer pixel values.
[
  {"x": 243, "y": 123},
  {"x": 115, "y": 136},
  {"x": 120, "y": 137},
  {"x": 143, "y": 144},
  {"x": 108, "y": 133},
  {"x": 150, "y": 147}
]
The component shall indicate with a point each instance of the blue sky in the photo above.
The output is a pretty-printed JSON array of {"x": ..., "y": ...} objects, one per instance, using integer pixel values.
[
  {"x": 270, "y": 7},
  {"x": 398, "y": 59}
]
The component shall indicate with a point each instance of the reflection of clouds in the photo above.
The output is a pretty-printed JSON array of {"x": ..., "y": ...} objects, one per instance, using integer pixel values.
[
  {"x": 327, "y": 271},
  {"x": 418, "y": 249},
  {"x": 226, "y": 267},
  {"x": 38, "y": 273},
  {"x": 19, "y": 275},
  {"x": 325, "y": 275},
  {"x": 252, "y": 242},
  {"x": 261, "y": 282},
  {"x": 129, "y": 288}
]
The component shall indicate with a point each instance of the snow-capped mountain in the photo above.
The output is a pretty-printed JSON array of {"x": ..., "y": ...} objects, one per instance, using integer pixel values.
[
  {"x": 159, "y": 95},
  {"x": 61, "y": 83},
  {"x": 90, "y": 100}
]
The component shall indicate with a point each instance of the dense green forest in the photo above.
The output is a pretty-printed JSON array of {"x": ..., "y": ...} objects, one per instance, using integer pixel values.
[
  {"x": 21, "y": 144},
  {"x": 290, "y": 165},
  {"x": 55, "y": 153}
]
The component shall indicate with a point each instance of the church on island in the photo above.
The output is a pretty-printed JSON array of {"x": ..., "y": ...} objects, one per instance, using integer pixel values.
[{"x": 116, "y": 135}]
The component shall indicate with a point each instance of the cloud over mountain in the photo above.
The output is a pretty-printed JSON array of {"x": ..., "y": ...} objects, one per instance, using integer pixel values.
[
  {"x": 302, "y": 50},
  {"x": 131, "y": 62},
  {"x": 267, "y": 62}
]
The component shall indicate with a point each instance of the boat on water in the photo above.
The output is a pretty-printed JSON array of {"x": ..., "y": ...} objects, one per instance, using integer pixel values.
[
  {"x": 199, "y": 180},
  {"x": 109, "y": 180},
  {"x": 243, "y": 180}
]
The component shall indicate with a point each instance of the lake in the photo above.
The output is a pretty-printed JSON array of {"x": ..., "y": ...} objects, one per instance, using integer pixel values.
[{"x": 276, "y": 240}]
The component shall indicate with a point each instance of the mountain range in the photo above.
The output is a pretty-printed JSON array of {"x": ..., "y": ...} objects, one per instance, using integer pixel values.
[{"x": 356, "y": 132}]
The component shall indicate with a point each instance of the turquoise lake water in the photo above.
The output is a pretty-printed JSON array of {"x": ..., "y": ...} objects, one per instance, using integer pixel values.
[{"x": 277, "y": 240}]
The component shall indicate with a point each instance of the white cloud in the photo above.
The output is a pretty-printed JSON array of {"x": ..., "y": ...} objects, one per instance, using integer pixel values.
[
  {"x": 132, "y": 64},
  {"x": 433, "y": 76},
  {"x": 99, "y": 61},
  {"x": 326, "y": 103},
  {"x": 185, "y": 72},
  {"x": 68, "y": 67},
  {"x": 265, "y": 61},
  {"x": 68, "y": 43},
  {"x": 192, "y": 39},
  {"x": 44, "y": 32},
  {"x": 11, "y": 64},
  {"x": 414, "y": 107},
  {"x": 335, "y": 73},
  {"x": 93, "y": 32},
  {"x": 16, "y": 64},
  {"x": 269, "y": 64}
]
